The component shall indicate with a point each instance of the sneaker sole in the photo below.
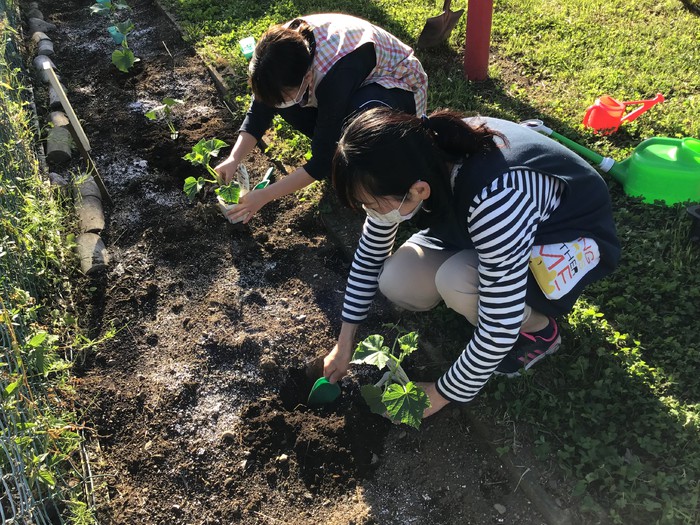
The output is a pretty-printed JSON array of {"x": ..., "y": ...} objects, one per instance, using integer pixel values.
[{"x": 551, "y": 350}]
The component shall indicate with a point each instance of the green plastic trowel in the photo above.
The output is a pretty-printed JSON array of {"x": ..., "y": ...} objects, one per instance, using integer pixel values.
[
  {"x": 323, "y": 392},
  {"x": 265, "y": 182}
]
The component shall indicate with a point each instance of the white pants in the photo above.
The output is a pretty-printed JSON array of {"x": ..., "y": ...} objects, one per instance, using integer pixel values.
[{"x": 418, "y": 278}]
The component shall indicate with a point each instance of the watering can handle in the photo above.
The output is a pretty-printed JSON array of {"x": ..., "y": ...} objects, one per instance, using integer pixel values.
[
  {"x": 536, "y": 124},
  {"x": 602, "y": 163},
  {"x": 646, "y": 104},
  {"x": 587, "y": 113}
]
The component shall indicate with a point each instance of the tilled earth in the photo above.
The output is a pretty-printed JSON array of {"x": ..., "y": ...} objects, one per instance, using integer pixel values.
[{"x": 198, "y": 402}]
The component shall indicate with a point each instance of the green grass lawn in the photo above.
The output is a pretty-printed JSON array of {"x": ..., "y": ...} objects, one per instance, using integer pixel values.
[{"x": 618, "y": 406}]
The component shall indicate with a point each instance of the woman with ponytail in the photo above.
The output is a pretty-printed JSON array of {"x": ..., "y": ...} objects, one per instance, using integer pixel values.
[
  {"x": 514, "y": 226},
  {"x": 315, "y": 72}
]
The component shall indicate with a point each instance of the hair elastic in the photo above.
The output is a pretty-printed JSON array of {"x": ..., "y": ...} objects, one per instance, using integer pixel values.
[{"x": 425, "y": 121}]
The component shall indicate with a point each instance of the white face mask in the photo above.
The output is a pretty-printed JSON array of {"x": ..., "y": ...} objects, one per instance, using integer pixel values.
[
  {"x": 301, "y": 93},
  {"x": 394, "y": 216}
]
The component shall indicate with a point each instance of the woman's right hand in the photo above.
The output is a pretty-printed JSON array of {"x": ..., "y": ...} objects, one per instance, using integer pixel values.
[
  {"x": 337, "y": 362},
  {"x": 226, "y": 170}
]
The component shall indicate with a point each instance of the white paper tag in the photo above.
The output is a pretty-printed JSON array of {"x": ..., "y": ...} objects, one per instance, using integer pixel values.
[{"x": 557, "y": 268}]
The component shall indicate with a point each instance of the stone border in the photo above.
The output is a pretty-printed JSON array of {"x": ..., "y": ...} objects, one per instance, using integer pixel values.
[{"x": 60, "y": 142}]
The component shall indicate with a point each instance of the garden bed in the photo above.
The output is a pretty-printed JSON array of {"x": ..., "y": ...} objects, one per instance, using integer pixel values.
[{"x": 197, "y": 405}]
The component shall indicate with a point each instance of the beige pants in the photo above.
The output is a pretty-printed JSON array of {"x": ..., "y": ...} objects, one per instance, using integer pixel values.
[{"x": 418, "y": 278}]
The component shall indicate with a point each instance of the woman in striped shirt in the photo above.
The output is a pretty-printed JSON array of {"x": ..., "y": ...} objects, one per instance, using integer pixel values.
[{"x": 515, "y": 226}]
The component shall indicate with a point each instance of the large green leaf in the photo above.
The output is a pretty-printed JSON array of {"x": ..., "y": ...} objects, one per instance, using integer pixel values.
[
  {"x": 372, "y": 351},
  {"x": 373, "y": 397},
  {"x": 124, "y": 59},
  {"x": 230, "y": 193},
  {"x": 406, "y": 403},
  {"x": 192, "y": 187},
  {"x": 214, "y": 145},
  {"x": 408, "y": 343},
  {"x": 125, "y": 27},
  {"x": 203, "y": 151}
]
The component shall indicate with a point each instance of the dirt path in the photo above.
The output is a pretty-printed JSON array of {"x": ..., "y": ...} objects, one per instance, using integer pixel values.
[{"x": 198, "y": 402}]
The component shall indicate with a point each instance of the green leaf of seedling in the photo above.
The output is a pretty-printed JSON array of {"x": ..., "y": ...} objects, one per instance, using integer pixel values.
[
  {"x": 152, "y": 115},
  {"x": 197, "y": 155},
  {"x": 229, "y": 193},
  {"x": 123, "y": 59},
  {"x": 101, "y": 8},
  {"x": 125, "y": 27},
  {"x": 214, "y": 145},
  {"x": 192, "y": 187},
  {"x": 373, "y": 397},
  {"x": 167, "y": 101},
  {"x": 406, "y": 403},
  {"x": 119, "y": 5},
  {"x": 408, "y": 343},
  {"x": 371, "y": 351},
  {"x": 203, "y": 151}
]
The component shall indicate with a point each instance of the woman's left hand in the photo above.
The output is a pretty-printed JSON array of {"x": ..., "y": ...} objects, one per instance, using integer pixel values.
[
  {"x": 437, "y": 402},
  {"x": 249, "y": 204}
]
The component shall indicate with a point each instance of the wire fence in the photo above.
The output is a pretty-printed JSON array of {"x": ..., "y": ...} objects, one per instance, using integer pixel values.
[{"x": 36, "y": 438}]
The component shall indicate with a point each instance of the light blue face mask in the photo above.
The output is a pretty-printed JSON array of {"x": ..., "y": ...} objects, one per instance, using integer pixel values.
[{"x": 393, "y": 216}]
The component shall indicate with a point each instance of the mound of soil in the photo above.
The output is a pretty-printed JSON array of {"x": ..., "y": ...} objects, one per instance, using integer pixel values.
[{"x": 198, "y": 403}]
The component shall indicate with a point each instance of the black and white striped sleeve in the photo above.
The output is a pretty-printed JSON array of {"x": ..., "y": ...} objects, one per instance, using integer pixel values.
[
  {"x": 502, "y": 221},
  {"x": 374, "y": 247}
]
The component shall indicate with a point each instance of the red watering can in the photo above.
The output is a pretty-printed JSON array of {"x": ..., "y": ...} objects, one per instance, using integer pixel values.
[{"x": 606, "y": 114}]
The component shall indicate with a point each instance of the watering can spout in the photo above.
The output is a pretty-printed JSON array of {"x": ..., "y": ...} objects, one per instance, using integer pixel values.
[{"x": 646, "y": 105}]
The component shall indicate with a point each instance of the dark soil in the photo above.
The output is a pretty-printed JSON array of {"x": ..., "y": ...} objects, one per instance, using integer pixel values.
[{"x": 197, "y": 404}]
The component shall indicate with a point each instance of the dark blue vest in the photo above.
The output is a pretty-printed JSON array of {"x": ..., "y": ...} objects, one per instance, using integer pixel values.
[{"x": 585, "y": 209}]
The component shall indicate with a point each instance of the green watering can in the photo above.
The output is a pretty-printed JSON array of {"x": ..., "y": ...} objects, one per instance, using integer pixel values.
[{"x": 660, "y": 168}]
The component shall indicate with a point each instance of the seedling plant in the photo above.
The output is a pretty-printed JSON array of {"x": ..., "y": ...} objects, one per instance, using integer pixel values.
[
  {"x": 107, "y": 7},
  {"x": 201, "y": 154},
  {"x": 122, "y": 57},
  {"x": 394, "y": 395},
  {"x": 166, "y": 112}
]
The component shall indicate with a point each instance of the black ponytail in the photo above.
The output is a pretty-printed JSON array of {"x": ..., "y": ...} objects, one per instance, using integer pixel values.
[{"x": 457, "y": 138}]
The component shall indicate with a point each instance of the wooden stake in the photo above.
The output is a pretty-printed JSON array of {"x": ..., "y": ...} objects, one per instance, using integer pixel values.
[{"x": 77, "y": 131}]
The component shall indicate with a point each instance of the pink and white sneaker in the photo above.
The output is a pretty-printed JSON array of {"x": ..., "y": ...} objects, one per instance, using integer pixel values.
[{"x": 529, "y": 349}]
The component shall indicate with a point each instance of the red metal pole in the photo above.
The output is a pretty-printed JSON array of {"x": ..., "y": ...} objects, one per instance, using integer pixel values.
[{"x": 478, "y": 40}]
